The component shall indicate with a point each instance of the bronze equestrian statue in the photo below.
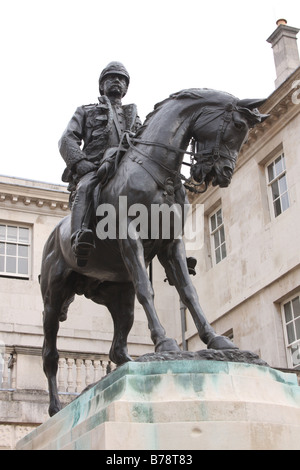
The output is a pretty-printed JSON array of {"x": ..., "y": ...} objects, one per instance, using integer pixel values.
[{"x": 115, "y": 268}]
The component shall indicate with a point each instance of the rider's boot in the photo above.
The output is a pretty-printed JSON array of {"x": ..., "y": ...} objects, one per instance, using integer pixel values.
[{"x": 82, "y": 242}]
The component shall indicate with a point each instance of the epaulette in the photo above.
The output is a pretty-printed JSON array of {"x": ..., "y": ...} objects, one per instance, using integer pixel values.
[{"x": 92, "y": 105}]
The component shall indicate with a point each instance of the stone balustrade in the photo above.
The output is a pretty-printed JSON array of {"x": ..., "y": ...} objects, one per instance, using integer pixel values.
[
  {"x": 7, "y": 371},
  {"x": 75, "y": 370},
  {"x": 76, "y": 373}
]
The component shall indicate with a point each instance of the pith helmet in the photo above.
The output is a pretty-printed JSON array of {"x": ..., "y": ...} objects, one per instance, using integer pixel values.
[{"x": 115, "y": 68}]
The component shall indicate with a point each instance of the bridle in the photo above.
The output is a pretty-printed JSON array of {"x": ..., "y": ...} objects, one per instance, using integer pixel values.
[{"x": 210, "y": 154}]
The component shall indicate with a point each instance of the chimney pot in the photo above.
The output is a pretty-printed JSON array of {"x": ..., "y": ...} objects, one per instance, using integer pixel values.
[{"x": 281, "y": 21}]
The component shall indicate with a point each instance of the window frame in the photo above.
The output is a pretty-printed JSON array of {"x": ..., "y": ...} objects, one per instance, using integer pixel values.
[
  {"x": 283, "y": 194},
  {"x": 292, "y": 347},
  {"x": 18, "y": 242},
  {"x": 218, "y": 229}
]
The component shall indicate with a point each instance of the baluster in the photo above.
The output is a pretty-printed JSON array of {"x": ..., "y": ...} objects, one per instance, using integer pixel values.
[
  {"x": 96, "y": 370},
  {"x": 61, "y": 375},
  {"x": 88, "y": 375},
  {"x": 70, "y": 378},
  {"x": 104, "y": 367},
  {"x": 14, "y": 372},
  {"x": 79, "y": 375},
  {"x": 5, "y": 375},
  {"x": 112, "y": 366}
]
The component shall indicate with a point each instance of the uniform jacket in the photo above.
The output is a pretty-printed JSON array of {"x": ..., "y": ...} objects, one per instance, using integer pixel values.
[{"x": 92, "y": 125}]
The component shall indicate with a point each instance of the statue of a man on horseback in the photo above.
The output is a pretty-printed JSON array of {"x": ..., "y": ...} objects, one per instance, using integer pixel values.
[
  {"x": 149, "y": 174},
  {"x": 100, "y": 128}
]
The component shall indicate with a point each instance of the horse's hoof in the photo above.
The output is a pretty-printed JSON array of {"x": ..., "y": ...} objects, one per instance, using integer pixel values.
[
  {"x": 221, "y": 342},
  {"x": 167, "y": 345},
  {"x": 53, "y": 409},
  {"x": 120, "y": 358}
]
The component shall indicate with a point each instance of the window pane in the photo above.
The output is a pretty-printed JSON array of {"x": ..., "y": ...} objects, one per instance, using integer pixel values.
[
  {"x": 11, "y": 265},
  {"x": 278, "y": 166},
  {"x": 2, "y": 248},
  {"x": 2, "y": 232},
  {"x": 219, "y": 218},
  {"x": 295, "y": 354},
  {"x": 222, "y": 235},
  {"x": 218, "y": 255},
  {"x": 223, "y": 249},
  {"x": 23, "y": 234},
  {"x": 275, "y": 190},
  {"x": 277, "y": 208},
  {"x": 271, "y": 172},
  {"x": 23, "y": 251},
  {"x": 22, "y": 266},
  {"x": 12, "y": 233},
  {"x": 213, "y": 223},
  {"x": 296, "y": 307},
  {"x": 216, "y": 239},
  {"x": 290, "y": 332},
  {"x": 297, "y": 327},
  {"x": 285, "y": 202},
  {"x": 11, "y": 249},
  {"x": 282, "y": 184},
  {"x": 288, "y": 312},
  {"x": 2, "y": 263}
]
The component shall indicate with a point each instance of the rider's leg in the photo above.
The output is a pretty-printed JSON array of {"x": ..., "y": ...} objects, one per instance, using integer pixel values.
[{"x": 82, "y": 238}]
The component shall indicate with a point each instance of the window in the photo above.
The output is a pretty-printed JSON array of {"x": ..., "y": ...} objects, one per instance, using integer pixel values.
[
  {"x": 277, "y": 182},
  {"x": 217, "y": 234},
  {"x": 291, "y": 317},
  {"x": 14, "y": 251}
]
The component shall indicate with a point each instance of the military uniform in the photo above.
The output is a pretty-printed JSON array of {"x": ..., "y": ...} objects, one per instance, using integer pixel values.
[{"x": 100, "y": 128}]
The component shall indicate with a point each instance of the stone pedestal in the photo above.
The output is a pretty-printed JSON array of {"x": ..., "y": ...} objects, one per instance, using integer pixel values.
[{"x": 178, "y": 405}]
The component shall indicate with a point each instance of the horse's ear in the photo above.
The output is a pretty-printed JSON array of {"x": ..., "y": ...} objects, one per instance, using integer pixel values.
[{"x": 251, "y": 103}]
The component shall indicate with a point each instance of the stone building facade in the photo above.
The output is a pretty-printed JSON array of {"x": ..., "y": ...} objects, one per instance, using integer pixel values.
[
  {"x": 248, "y": 270},
  {"x": 249, "y": 265}
]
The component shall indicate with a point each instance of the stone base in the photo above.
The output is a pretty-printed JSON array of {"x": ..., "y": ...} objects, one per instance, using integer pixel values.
[{"x": 178, "y": 405}]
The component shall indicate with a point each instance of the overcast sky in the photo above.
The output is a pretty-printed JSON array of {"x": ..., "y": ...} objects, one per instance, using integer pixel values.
[{"x": 53, "y": 52}]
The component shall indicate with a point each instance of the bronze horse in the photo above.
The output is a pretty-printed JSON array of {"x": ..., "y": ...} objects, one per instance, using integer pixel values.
[{"x": 148, "y": 173}]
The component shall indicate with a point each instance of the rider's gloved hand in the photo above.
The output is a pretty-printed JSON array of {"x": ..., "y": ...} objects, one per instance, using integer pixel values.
[{"x": 84, "y": 166}]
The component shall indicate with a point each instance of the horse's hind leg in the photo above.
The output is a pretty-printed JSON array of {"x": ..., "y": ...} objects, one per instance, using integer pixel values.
[
  {"x": 119, "y": 299},
  {"x": 57, "y": 295},
  {"x": 50, "y": 356},
  {"x": 121, "y": 307}
]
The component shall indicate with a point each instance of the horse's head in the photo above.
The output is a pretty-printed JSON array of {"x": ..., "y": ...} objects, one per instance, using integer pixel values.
[{"x": 219, "y": 132}]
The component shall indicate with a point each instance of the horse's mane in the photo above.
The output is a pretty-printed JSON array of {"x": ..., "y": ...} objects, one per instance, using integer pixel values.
[{"x": 212, "y": 97}]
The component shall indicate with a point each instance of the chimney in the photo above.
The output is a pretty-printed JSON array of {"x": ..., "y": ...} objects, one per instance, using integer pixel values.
[{"x": 285, "y": 50}]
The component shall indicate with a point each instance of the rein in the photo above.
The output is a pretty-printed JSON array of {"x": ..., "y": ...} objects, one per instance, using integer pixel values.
[{"x": 213, "y": 153}]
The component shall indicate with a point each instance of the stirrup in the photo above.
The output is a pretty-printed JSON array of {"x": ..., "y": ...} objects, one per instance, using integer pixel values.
[{"x": 82, "y": 244}]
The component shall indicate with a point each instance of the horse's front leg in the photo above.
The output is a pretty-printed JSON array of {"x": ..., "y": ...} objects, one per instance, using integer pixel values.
[
  {"x": 133, "y": 255},
  {"x": 173, "y": 259}
]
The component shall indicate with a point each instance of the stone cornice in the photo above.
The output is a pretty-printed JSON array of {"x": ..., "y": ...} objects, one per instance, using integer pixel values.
[
  {"x": 281, "y": 109},
  {"x": 31, "y": 193}
]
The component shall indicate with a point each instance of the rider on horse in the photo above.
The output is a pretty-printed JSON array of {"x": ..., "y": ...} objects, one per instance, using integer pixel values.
[{"x": 100, "y": 127}]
